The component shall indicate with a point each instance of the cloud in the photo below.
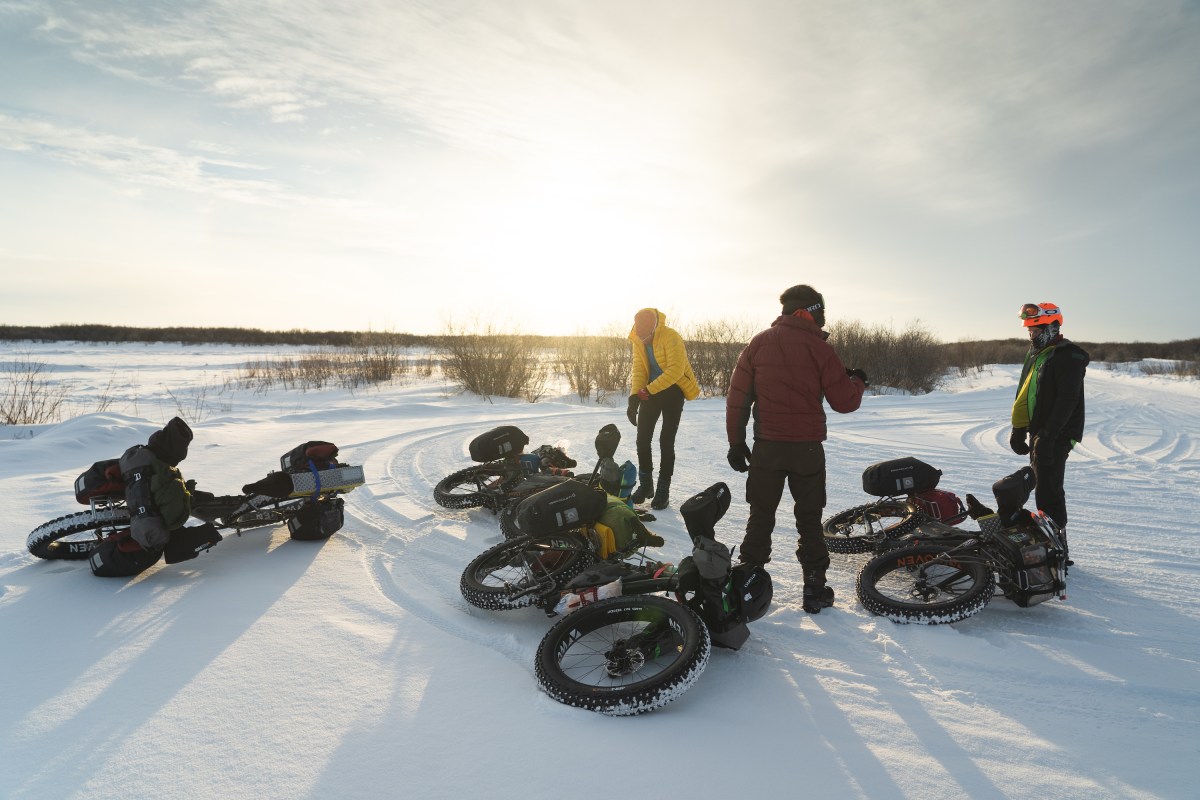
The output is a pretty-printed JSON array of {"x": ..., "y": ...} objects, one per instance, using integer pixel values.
[{"x": 134, "y": 162}]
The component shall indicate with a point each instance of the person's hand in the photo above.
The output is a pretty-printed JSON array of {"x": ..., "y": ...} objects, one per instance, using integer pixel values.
[
  {"x": 643, "y": 394},
  {"x": 858, "y": 373},
  {"x": 632, "y": 409},
  {"x": 1017, "y": 442},
  {"x": 739, "y": 457}
]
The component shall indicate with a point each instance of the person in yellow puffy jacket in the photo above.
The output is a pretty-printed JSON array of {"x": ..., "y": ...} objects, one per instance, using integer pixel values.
[{"x": 661, "y": 381}]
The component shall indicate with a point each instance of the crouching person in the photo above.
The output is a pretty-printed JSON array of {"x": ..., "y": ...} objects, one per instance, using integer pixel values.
[{"x": 158, "y": 502}]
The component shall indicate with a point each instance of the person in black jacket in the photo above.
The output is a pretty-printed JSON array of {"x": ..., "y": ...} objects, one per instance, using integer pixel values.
[{"x": 1047, "y": 415}]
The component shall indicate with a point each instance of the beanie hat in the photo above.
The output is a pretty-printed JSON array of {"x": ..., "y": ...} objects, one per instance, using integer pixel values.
[
  {"x": 644, "y": 322},
  {"x": 171, "y": 443},
  {"x": 807, "y": 298}
]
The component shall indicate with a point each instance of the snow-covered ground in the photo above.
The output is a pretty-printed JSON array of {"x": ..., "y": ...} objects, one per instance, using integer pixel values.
[{"x": 353, "y": 668}]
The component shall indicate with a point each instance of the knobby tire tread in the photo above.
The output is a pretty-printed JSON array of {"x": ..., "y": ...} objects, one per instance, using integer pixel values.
[
  {"x": 838, "y": 541},
  {"x": 978, "y": 584},
  {"x": 568, "y": 561},
  {"x": 677, "y": 673},
  {"x": 43, "y": 536}
]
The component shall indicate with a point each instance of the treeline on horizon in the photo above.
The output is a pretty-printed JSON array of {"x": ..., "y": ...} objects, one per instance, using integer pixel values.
[{"x": 997, "y": 351}]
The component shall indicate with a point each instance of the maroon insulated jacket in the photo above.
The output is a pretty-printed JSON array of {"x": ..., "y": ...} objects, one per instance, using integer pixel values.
[{"x": 781, "y": 377}]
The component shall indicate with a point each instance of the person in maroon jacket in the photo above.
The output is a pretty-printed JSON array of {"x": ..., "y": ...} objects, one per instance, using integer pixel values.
[{"x": 781, "y": 379}]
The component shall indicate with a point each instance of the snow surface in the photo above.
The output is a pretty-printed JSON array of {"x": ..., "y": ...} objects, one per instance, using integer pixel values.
[{"x": 353, "y": 668}]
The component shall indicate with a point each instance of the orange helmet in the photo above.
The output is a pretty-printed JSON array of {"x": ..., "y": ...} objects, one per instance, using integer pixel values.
[{"x": 1040, "y": 314}]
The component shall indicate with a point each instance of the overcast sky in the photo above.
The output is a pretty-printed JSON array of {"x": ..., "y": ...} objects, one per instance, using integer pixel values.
[{"x": 557, "y": 165}]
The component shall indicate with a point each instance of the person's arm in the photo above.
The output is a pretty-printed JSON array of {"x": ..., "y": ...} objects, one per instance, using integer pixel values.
[
  {"x": 673, "y": 365},
  {"x": 843, "y": 392}
]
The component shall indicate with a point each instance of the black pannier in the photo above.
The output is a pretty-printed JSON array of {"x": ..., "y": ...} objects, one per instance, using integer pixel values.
[
  {"x": 318, "y": 520},
  {"x": 701, "y": 512},
  {"x": 568, "y": 505},
  {"x": 900, "y": 476},
  {"x": 1012, "y": 492},
  {"x": 323, "y": 455},
  {"x": 1034, "y": 571},
  {"x": 100, "y": 480},
  {"x": 502, "y": 442}
]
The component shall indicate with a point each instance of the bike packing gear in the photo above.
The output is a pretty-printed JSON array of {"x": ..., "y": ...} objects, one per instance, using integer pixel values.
[
  {"x": 318, "y": 520},
  {"x": 502, "y": 442},
  {"x": 120, "y": 556},
  {"x": 187, "y": 543},
  {"x": 900, "y": 476}
]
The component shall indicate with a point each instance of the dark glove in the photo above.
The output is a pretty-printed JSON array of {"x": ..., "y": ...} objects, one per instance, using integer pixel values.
[
  {"x": 632, "y": 410},
  {"x": 858, "y": 373},
  {"x": 739, "y": 457},
  {"x": 1017, "y": 441}
]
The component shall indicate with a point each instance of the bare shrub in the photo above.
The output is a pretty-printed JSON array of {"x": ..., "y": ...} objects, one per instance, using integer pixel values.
[
  {"x": 29, "y": 397},
  {"x": 970, "y": 357},
  {"x": 594, "y": 365},
  {"x": 1174, "y": 369},
  {"x": 911, "y": 361},
  {"x": 713, "y": 349},
  {"x": 492, "y": 364},
  {"x": 372, "y": 360}
]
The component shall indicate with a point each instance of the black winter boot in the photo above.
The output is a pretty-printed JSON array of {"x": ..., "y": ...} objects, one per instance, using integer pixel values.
[
  {"x": 662, "y": 493},
  {"x": 645, "y": 489},
  {"x": 817, "y": 594}
]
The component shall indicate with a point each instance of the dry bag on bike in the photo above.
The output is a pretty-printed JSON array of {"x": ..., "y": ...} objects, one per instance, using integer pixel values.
[
  {"x": 102, "y": 479},
  {"x": 751, "y": 586},
  {"x": 900, "y": 476},
  {"x": 318, "y": 520},
  {"x": 701, "y": 512},
  {"x": 507, "y": 440},
  {"x": 1012, "y": 492},
  {"x": 323, "y": 455},
  {"x": 568, "y": 505},
  {"x": 941, "y": 505}
]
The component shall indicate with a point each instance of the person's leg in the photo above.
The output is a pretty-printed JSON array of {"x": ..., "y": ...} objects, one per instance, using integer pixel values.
[
  {"x": 806, "y": 481},
  {"x": 671, "y": 405},
  {"x": 648, "y": 414},
  {"x": 764, "y": 488},
  {"x": 1050, "y": 471}
]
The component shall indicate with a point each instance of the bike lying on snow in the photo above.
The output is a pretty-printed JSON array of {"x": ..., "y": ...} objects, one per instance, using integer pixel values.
[
  {"x": 908, "y": 496},
  {"x": 641, "y": 636},
  {"x": 504, "y": 471},
  {"x": 304, "y": 495},
  {"x": 941, "y": 574}
]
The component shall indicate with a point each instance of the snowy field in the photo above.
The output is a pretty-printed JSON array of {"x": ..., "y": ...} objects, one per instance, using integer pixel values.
[{"x": 353, "y": 668}]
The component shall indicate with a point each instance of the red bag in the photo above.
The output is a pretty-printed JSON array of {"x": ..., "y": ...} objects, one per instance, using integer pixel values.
[{"x": 941, "y": 505}]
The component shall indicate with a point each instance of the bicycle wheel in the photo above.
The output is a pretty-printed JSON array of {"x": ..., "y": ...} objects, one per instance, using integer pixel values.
[
  {"x": 508, "y": 521},
  {"x": 275, "y": 512},
  {"x": 519, "y": 572},
  {"x": 75, "y": 536},
  {"x": 472, "y": 487},
  {"x": 916, "y": 584},
  {"x": 623, "y": 656},
  {"x": 858, "y": 529}
]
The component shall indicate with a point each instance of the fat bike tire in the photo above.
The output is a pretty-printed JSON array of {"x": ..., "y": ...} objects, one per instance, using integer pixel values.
[
  {"x": 508, "y": 521},
  {"x": 584, "y": 661},
  {"x": 75, "y": 536},
  {"x": 858, "y": 529},
  {"x": 474, "y": 486},
  {"x": 913, "y": 584},
  {"x": 518, "y": 573}
]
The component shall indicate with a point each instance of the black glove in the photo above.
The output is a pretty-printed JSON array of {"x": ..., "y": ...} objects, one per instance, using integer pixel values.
[
  {"x": 1017, "y": 442},
  {"x": 858, "y": 373},
  {"x": 632, "y": 410},
  {"x": 739, "y": 457}
]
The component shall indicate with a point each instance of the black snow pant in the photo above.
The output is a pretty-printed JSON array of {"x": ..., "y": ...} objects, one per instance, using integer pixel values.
[
  {"x": 801, "y": 465},
  {"x": 669, "y": 405}
]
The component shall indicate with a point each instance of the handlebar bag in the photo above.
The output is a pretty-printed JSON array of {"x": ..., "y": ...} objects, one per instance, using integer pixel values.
[
  {"x": 501, "y": 442},
  {"x": 900, "y": 476}
]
